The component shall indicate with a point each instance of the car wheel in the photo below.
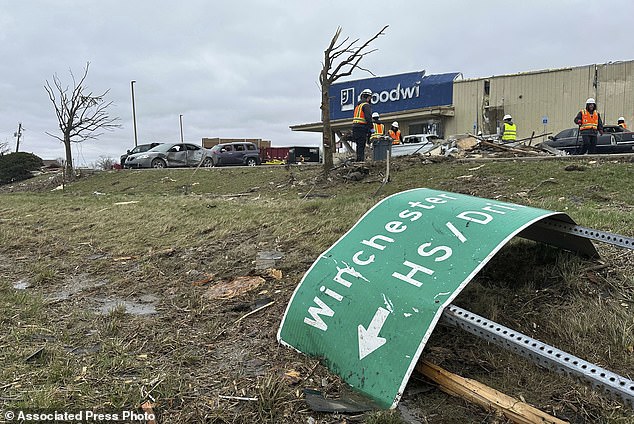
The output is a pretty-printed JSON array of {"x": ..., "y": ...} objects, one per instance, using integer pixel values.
[
  {"x": 158, "y": 163},
  {"x": 251, "y": 162},
  {"x": 208, "y": 163}
]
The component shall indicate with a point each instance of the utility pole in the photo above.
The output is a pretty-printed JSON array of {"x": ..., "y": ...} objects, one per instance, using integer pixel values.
[
  {"x": 180, "y": 118},
  {"x": 133, "y": 112},
  {"x": 18, "y": 134}
]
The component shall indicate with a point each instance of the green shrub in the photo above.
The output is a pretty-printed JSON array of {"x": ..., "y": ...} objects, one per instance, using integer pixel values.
[{"x": 18, "y": 166}]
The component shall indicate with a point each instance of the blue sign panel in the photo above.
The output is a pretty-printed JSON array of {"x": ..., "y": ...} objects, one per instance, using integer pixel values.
[{"x": 393, "y": 93}]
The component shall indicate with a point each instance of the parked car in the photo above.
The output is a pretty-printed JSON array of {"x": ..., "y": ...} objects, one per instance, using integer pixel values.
[
  {"x": 237, "y": 153},
  {"x": 138, "y": 149},
  {"x": 416, "y": 143},
  {"x": 613, "y": 140},
  {"x": 170, "y": 155}
]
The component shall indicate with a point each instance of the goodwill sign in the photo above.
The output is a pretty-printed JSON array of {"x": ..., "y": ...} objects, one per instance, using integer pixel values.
[
  {"x": 393, "y": 93},
  {"x": 370, "y": 302}
]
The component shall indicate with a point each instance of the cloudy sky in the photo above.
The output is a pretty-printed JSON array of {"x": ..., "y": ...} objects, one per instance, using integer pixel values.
[{"x": 250, "y": 68}]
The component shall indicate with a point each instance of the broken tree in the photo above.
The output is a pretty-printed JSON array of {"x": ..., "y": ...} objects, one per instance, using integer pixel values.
[{"x": 340, "y": 59}]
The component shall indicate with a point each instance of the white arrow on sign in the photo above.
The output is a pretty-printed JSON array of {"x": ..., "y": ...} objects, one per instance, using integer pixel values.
[{"x": 369, "y": 339}]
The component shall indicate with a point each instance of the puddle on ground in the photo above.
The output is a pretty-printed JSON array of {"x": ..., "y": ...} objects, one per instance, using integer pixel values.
[
  {"x": 75, "y": 284},
  {"x": 145, "y": 305}
]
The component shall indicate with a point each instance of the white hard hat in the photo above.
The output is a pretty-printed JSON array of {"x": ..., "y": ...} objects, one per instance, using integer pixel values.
[
  {"x": 375, "y": 115},
  {"x": 590, "y": 100},
  {"x": 366, "y": 92},
  {"x": 395, "y": 124},
  {"x": 621, "y": 119},
  {"x": 507, "y": 116}
]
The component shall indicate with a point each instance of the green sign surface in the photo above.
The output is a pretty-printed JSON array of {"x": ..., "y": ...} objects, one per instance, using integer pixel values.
[{"x": 370, "y": 302}]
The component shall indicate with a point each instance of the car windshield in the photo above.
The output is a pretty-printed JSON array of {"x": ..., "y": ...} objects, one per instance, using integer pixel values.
[{"x": 162, "y": 147}]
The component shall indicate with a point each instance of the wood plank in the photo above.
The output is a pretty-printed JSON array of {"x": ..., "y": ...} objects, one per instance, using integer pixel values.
[{"x": 485, "y": 396}]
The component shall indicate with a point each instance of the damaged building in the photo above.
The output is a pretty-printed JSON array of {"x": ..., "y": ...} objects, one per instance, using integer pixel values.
[{"x": 543, "y": 101}]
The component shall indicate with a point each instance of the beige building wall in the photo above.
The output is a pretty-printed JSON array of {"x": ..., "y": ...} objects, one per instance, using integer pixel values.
[{"x": 557, "y": 94}]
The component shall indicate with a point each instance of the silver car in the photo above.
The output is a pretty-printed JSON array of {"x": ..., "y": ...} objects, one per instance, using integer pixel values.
[{"x": 171, "y": 155}]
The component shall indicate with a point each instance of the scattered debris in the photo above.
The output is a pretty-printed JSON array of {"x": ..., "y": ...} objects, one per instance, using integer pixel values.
[
  {"x": 318, "y": 403},
  {"x": 124, "y": 258},
  {"x": 35, "y": 355},
  {"x": 21, "y": 285},
  {"x": 468, "y": 143},
  {"x": 275, "y": 273},
  {"x": 293, "y": 376},
  {"x": 254, "y": 399},
  {"x": 233, "y": 288},
  {"x": 254, "y": 311},
  {"x": 267, "y": 259},
  {"x": 476, "y": 168},
  {"x": 131, "y": 202}
]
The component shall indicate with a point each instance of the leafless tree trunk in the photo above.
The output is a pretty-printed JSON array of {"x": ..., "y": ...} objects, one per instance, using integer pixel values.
[
  {"x": 81, "y": 115},
  {"x": 340, "y": 59}
]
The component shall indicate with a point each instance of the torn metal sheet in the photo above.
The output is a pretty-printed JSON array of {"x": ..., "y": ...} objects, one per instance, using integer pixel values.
[{"x": 370, "y": 302}]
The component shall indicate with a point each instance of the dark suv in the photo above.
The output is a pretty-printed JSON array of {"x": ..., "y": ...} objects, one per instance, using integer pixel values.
[
  {"x": 242, "y": 153},
  {"x": 138, "y": 149}
]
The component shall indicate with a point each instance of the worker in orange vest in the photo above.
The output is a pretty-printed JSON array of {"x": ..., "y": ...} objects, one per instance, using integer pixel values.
[
  {"x": 621, "y": 123},
  {"x": 395, "y": 133},
  {"x": 590, "y": 124},
  {"x": 362, "y": 126}
]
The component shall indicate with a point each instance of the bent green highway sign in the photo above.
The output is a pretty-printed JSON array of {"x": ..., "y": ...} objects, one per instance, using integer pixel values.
[{"x": 368, "y": 305}]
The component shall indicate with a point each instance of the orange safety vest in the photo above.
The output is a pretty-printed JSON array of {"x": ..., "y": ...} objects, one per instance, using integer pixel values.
[
  {"x": 359, "y": 116},
  {"x": 396, "y": 136},
  {"x": 589, "y": 121},
  {"x": 378, "y": 130}
]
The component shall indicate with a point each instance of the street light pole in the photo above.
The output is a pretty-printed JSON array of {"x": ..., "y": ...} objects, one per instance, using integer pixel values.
[
  {"x": 133, "y": 113},
  {"x": 180, "y": 118}
]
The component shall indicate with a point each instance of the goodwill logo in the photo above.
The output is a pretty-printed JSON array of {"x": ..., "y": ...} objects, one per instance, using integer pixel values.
[{"x": 347, "y": 99}]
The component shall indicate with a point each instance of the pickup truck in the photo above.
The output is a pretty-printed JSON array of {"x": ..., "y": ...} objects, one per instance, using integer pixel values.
[{"x": 613, "y": 140}]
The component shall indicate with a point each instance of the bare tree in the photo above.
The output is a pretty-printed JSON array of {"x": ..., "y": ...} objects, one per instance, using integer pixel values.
[
  {"x": 81, "y": 114},
  {"x": 4, "y": 148},
  {"x": 340, "y": 59},
  {"x": 104, "y": 162}
]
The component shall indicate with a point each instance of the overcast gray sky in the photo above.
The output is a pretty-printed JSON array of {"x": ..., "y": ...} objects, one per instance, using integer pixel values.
[{"x": 250, "y": 68}]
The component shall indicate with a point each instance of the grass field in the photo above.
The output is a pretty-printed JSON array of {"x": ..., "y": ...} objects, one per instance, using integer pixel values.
[{"x": 109, "y": 290}]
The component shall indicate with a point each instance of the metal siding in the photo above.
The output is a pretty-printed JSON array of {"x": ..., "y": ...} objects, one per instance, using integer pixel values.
[{"x": 614, "y": 92}]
